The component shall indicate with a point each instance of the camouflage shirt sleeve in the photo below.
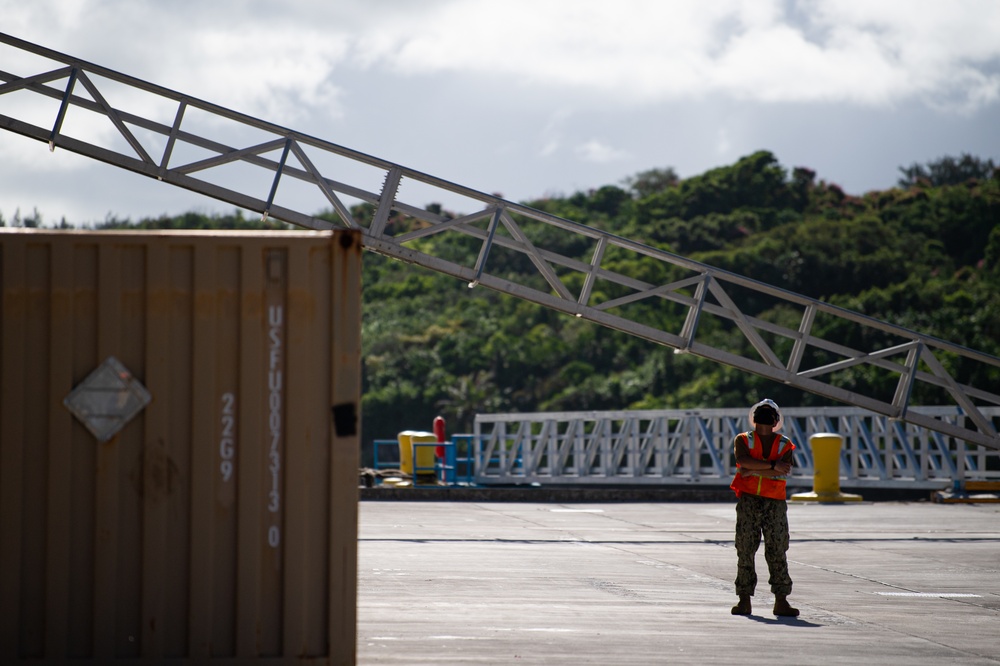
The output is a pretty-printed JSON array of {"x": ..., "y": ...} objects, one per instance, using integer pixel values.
[
  {"x": 740, "y": 447},
  {"x": 788, "y": 457}
]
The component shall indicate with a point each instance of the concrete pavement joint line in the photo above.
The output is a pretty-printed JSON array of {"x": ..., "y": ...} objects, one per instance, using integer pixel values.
[
  {"x": 716, "y": 583},
  {"x": 573, "y": 535},
  {"x": 933, "y": 595},
  {"x": 853, "y": 541},
  {"x": 604, "y": 514},
  {"x": 831, "y": 617},
  {"x": 940, "y": 644},
  {"x": 458, "y": 638},
  {"x": 848, "y": 575},
  {"x": 903, "y": 593},
  {"x": 562, "y": 539},
  {"x": 848, "y": 620}
]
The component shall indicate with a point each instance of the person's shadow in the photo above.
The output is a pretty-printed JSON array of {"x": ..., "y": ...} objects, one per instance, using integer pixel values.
[{"x": 790, "y": 621}]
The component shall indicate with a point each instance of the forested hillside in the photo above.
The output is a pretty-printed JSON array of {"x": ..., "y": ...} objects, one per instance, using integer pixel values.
[{"x": 924, "y": 255}]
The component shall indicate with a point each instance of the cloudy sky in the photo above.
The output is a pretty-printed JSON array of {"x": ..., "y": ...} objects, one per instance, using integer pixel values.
[{"x": 529, "y": 98}]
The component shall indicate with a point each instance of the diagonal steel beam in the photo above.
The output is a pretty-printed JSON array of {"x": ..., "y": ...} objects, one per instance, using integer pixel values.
[
  {"x": 543, "y": 267},
  {"x": 114, "y": 117}
]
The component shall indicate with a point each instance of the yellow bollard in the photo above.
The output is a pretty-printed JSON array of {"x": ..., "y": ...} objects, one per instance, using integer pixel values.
[
  {"x": 424, "y": 458},
  {"x": 826, "y": 475}
]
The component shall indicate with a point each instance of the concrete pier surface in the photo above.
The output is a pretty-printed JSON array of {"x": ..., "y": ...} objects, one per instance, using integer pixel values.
[{"x": 652, "y": 583}]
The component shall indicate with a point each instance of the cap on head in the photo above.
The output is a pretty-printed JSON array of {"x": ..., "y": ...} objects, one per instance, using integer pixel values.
[{"x": 766, "y": 412}]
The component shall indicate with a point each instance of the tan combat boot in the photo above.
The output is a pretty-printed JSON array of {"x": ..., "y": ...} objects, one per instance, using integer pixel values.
[
  {"x": 744, "y": 607},
  {"x": 782, "y": 608}
]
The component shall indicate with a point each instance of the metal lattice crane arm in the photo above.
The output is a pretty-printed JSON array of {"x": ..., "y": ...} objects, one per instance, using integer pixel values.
[{"x": 719, "y": 309}]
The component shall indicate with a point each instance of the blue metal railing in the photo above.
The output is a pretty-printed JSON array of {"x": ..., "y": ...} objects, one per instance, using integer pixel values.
[{"x": 455, "y": 468}]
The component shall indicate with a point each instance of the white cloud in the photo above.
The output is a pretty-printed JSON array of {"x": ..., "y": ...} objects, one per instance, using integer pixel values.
[
  {"x": 256, "y": 76},
  {"x": 276, "y": 66},
  {"x": 550, "y": 137},
  {"x": 271, "y": 60},
  {"x": 598, "y": 151},
  {"x": 938, "y": 51},
  {"x": 870, "y": 53},
  {"x": 549, "y": 148},
  {"x": 722, "y": 144},
  {"x": 526, "y": 96}
]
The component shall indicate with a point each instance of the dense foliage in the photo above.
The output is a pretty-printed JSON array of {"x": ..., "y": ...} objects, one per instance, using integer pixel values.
[{"x": 924, "y": 255}]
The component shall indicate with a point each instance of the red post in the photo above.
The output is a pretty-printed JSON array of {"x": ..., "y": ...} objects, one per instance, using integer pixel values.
[{"x": 439, "y": 432}]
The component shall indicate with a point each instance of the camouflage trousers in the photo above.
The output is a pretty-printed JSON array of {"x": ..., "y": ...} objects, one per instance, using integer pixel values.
[{"x": 756, "y": 515}]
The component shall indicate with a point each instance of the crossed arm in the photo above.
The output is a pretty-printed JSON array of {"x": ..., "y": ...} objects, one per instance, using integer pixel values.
[{"x": 763, "y": 467}]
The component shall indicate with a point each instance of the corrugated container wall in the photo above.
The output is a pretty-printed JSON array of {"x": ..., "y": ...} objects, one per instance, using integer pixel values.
[{"x": 216, "y": 522}]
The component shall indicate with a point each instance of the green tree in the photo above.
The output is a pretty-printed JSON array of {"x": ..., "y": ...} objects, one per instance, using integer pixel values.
[
  {"x": 651, "y": 181},
  {"x": 947, "y": 171}
]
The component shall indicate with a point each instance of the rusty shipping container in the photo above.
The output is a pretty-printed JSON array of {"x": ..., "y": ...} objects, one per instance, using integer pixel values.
[{"x": 179, "y": 446}]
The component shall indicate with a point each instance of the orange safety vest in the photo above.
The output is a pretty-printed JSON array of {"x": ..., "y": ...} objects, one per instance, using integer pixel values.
[{"x": 752, "y": 482}]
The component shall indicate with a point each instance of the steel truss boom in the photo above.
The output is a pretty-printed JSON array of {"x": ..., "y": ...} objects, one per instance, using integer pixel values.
[{"x": 719, "y": 308}]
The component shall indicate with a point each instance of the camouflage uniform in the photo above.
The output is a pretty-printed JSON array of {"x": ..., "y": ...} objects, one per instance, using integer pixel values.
[{"x": 756, "y": 515}]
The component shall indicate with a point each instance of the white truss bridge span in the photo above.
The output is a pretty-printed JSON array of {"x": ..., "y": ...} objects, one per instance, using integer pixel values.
[{"x": 694, "y": 446}]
